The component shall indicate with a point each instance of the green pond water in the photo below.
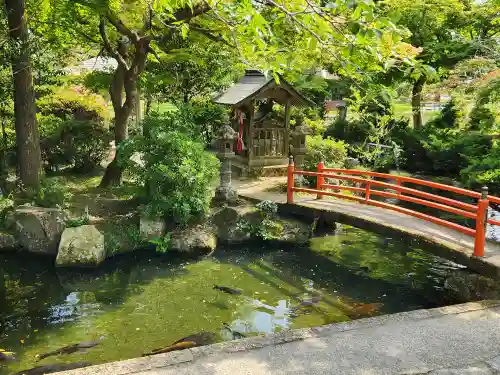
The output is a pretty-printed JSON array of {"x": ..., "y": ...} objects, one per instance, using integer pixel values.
[{"x": 141, "y": 301}]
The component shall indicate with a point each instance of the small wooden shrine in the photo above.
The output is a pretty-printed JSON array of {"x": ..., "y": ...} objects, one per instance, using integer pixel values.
[{"x": 263, "y": 139}]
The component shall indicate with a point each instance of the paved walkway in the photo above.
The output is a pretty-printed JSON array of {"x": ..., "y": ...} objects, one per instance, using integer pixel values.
[
  {"x": 464, "y": 337},
  {"x": 454, "y": 245}
]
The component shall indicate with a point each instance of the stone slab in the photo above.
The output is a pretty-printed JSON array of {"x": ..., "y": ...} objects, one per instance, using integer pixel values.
[{"x": 494, "y": 363}]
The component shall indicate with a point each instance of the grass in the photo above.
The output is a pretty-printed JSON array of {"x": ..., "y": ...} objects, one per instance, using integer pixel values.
[
  {"x": 164, "y": 107},
  {"x": 400, "y": 173},
  {"x": 404, "y": 110},
  {"x": 89, "y": 198}
]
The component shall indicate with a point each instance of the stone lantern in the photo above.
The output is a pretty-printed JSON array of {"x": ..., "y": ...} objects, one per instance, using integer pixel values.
[
  {"x": 225, "y": 152},
  {"x": 299, "y": 142}
]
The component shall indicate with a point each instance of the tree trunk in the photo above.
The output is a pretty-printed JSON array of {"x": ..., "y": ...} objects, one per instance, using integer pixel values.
[
  {"x": 3, "y": 289},
  {"x": 138, "y": 109},
  {"x": 149, "y": 102},
  {"x": 113, "y": 174},
  {"x": 27, "y": 138},
  {"x": 3, "y": 158},
  {"x": 416, "y": 101},
  {"x": 124, "y": 80}
]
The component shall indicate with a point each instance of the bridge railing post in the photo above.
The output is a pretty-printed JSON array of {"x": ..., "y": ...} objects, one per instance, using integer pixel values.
[
  {"x": 481, "y": 221},
  {"x": 320, "y": 180},
  {"x": 367, "y": 190},
  {"x": 290, "y": 180}
]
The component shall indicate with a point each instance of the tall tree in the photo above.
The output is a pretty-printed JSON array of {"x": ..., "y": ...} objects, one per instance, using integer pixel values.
[
  {"x": 27, "y": 137},
  {"x": 446, "y": 32},
  {"x": 271, "y": 35},
  {"x": 193, "y": 67},
  {"x": 429, "y": 22}
]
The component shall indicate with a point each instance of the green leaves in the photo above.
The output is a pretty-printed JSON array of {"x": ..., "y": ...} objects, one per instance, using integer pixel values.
[
  {"x": 184, "y": 30},
  {"x": 419, "y": 69},
  {"x": 174, "y": 174}
]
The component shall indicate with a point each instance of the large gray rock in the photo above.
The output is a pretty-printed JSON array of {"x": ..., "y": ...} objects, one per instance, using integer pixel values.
[
  {"x": 196, "y": 240},
  {"x": 295, "y": 232},
  {"x": 228, "y": 220},
  {"x": 8, "y": 242},
  {"x": 150, "y": 228},
  {"x": 464, "y": 287},
  {"x": 233, "y": 224},
  {"x": 82, "y": 246},
  {"x": 39, "y": 229}
]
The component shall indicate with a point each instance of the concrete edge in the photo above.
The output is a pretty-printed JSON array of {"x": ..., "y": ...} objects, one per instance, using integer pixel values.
[{"x": 140, "y": 364}]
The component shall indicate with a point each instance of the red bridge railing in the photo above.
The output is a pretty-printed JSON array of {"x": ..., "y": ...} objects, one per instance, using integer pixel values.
[{"x": 364, "y": 182}]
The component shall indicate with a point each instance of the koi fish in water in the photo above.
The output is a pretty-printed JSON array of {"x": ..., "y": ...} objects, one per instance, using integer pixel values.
[
  {"x": 70, "y": 349},
  {"x": 198, "y": 339},
  {"x": 294, "y": 311},
  {"x": 179, "y": 346},
  {"x": 358, "y": 310},
  {"x": 227, "y": 290},
  {"x": 6, "y": 356}
]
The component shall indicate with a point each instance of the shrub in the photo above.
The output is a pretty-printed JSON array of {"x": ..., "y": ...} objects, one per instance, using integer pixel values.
[
  {"x": 52, "y": 192},
  {"x": 332, "y": 152},
  {"x": 74, "y": 103},
  {"x": 83, "y": 145},
  {"x": 175, "y": 121},
  {"x": 317, "y": 126},
  {"x": 451, "y": 116},
  {"x": 199, "y": 120},
  {"x": 486, "y": 114},
  {"x": 268, "y": 228},
  {"x": 207, "y": 117},
  {"x": 484, "y": 170},
  {"x": 173, "y": 173},
  {"x": 443, "y": 146},
  {"x": 348, "y": 131},
  {"x": 481, "y": 117},
  {"x": 450, "y": 152},
  {"x": 72, "y": 129},
  {"x": 414, "y": 155}
]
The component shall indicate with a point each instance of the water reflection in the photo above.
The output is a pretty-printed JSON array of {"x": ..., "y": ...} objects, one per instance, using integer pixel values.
[{"x": 76, "y": 306}]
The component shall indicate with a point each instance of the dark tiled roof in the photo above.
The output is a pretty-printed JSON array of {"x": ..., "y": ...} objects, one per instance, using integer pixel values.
[{"x": 254, "y": 83}]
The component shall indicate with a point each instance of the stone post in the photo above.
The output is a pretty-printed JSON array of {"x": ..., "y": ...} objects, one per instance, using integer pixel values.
[{"x": 225, "y": 152}]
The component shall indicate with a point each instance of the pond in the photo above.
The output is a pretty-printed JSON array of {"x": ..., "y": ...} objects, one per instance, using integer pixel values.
[{"x": 141, "y": 301}]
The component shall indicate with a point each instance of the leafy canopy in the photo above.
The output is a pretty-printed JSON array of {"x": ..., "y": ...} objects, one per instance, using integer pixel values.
[{"x": 267, "y": 34}]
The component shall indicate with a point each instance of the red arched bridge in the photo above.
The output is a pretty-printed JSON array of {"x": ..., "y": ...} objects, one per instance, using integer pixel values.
[{"x": 365, "y": 185}]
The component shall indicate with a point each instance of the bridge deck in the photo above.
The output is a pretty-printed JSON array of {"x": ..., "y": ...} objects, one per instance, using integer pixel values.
[{"x": 451, "y": 244}]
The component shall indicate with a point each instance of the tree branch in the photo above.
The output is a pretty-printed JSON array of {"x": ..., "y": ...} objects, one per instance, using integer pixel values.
[
  {"x": 155, "y": 54},
  {"x": 107, "y": 44},
  {"x": 121, "y": 27},
  {"x": 209, "y": 35},
  {"x": 75, "y": 30},
  {"x": 310, "y": 31},
  {"x": 187, "y": 13},
  {"x": 184, "y": 14}
]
